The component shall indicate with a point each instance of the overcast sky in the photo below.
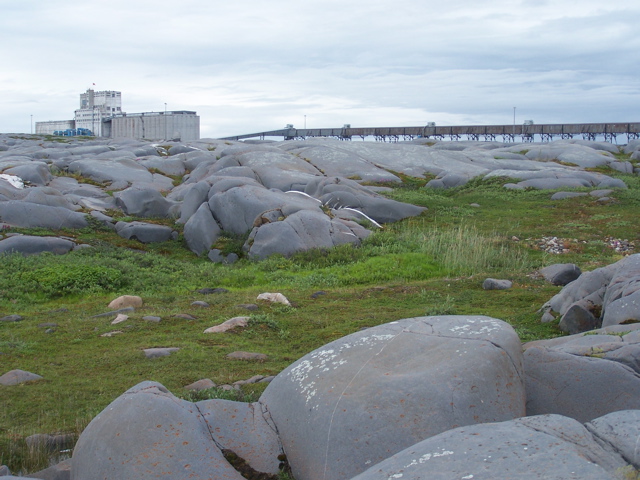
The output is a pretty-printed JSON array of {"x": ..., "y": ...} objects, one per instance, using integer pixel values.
[{"x": 253, "y": 65}]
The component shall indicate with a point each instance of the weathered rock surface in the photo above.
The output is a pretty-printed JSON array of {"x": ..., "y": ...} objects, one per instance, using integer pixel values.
[
  {"x": 546, "y": 446},
  {"x": 360, "y": 399},
  {"x": 246, "y": 429},
  {"x": 584, "y": 376}
]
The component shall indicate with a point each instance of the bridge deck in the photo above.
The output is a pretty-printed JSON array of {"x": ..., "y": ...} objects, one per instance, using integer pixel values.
[{"x": 507, "y": 133}]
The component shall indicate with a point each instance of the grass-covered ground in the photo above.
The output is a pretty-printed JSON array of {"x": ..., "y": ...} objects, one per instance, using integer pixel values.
[{"x": 432, "y": 264}]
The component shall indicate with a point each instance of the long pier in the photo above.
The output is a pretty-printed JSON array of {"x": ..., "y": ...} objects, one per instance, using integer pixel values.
[{"x": 504, "y": 133}]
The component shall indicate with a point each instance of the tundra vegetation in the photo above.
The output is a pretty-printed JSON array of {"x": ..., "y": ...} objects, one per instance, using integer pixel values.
[{"x": 428, "y": 265}]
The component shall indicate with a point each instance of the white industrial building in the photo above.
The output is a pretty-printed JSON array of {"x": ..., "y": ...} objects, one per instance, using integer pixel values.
[
  {"x": 95, "y": 107},
  {"x": 182, "y": 124},
  {"x": 101, "y": 113}
]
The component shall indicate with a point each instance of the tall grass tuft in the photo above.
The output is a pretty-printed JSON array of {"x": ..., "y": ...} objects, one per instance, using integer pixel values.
[{"x": 463, "y": 250}]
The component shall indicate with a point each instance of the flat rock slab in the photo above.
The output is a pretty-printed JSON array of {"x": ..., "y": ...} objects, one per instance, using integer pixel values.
[
  {"x": 550, "y": 447},
  {"x": 235, "y": 322},
  {"x": 16, "y": 377},
  {"x": 159, "y": 352},
  {"x": 360, "y": 399}
]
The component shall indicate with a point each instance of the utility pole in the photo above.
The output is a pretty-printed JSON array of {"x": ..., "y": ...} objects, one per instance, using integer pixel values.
[
  {"x": 514, "y": 120},
  {"x": 32, "y": 124},
  {"x": 165, "y": 121}
]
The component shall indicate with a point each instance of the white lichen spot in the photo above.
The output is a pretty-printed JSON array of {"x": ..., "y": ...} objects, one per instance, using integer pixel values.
[
  {"x": 395, "y": 475},
  {"x": 318, "y": 363},
  {"x": 468, "y": 477},
  {"x": 428, "y": 456}
]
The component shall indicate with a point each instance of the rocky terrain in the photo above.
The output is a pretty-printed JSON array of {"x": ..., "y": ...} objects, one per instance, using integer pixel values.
[
  {"x": 451, "y": 396},
  {"x": 428, "y": 397},
  {"x": 287, "y": 196}
]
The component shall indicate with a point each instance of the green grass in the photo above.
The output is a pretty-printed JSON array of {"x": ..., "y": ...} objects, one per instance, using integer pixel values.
[{"x": 433, "y": 264}]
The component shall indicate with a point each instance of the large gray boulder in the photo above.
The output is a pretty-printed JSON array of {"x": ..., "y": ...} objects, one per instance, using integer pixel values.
[
  {"x": 611, "y": 293},
  {"x": 34, "y": 245},
  {"x": 543, "y": 447},
  {"x": 201, "y": 230},
  {"x": 584, "y": 376},
  {"x": 302, "y": 230},
  {"x": 144, "y": 232},
  {"x": 237, "y": 208},
  {"x": 33, "y": 215},
  {"x": 149, "y": 433},
  {"x": 196, "y": 195},
  {"x": 362, "y": 398},
  {"x": 144, "y": 202}
]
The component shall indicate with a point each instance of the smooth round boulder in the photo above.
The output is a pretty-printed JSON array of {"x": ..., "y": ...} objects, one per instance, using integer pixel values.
[{"x": 360, "y": 399}]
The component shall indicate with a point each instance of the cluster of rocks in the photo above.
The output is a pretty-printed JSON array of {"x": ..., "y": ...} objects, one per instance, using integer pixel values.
[
  {"x": 603, "y": 297},
  {"x": 620, "y": 245},
  {"x": 426, "y": 397},
  {"x": 287, "y": 196}
]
